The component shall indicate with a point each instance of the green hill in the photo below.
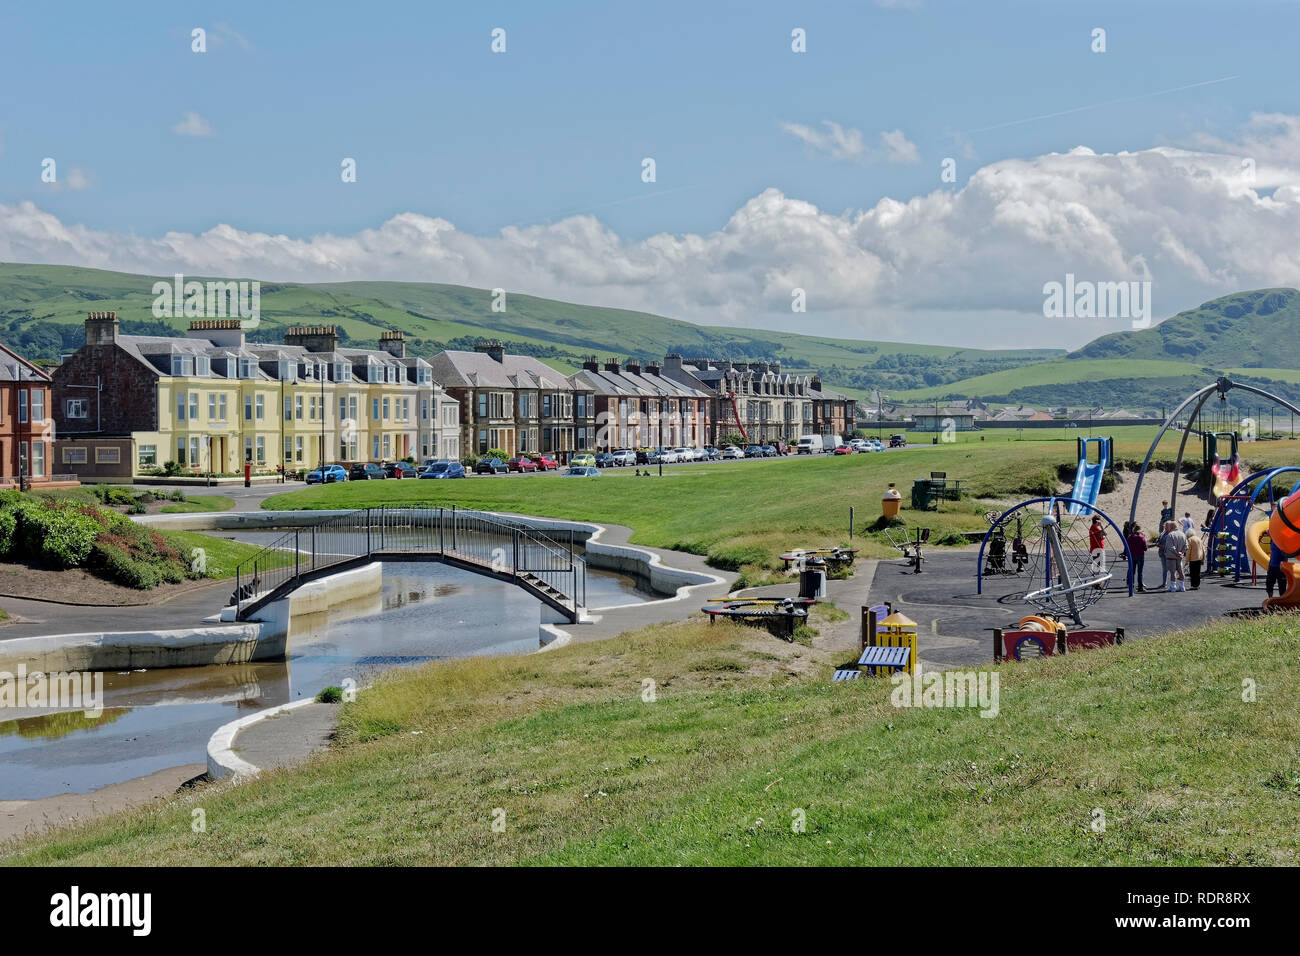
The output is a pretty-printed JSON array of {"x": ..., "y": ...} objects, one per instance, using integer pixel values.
[
  {"x": 1252, "y": 336},
  {"x": 44, "y": 307}
]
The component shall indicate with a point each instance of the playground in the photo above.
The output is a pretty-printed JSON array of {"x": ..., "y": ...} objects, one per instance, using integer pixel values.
[{"x": 1056, "y": 572}]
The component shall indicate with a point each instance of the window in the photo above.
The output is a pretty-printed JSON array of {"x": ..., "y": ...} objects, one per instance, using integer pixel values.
[
  {"x": 202, "y": 365},
  {"x": 288, "y": 408},
  {"x": 352, "y": 408},
  {"x": 248, "y": 448},
  {"x": 374, "y": 446},
  {"x": 261, "y": 450},
  {"x": 182, "y": 364},
  {"x": 180, "y": 406},
  {"x": 449, "y": 414},
  {"x": 22, "y": 406},
  {"x": 248, "y": 408},
  {"x": 74, "y": 456},
  {"x": 246, "y": 366},
  {"x": 388, "y": 446},
  {"x": 297, "y": 449},
  {"x": 343, "y": 407},
  {"x": 386, "y": 415},
  {"x": 194, "y": 406},
  {"x": 180, "y": 452},
  {"x": 194, "y": 450},
  {"x": 288, "y": 449},
  {"x": 148, "y": 456},
  {"x": 77, "y": 408},
  {"x": 424, "y": 409},
  {"x": 297, "y": 407},
  {"x": 108, "y": 455},
  {"x": 212, "y": 406},
  {"x": 22, "y": 458},
  {"x": 38, "y": 404},
  {"x": 482, "y": 404},
  {"x": 374, "y": 409},
  {"x": 311, "y": 408}
]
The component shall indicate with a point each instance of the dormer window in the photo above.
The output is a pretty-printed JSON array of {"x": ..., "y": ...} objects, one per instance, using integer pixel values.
[
  {"x": 342, "y": 372},
  {"x": 202, "y": 365},
  {"x": 285, "y": 370},
  {"x": 182, "y": 364}
]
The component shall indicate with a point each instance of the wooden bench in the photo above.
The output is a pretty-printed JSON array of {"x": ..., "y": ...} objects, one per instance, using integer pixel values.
[
  {"x": 846, "y": 674},
  {"x": 878, "y": 658}
]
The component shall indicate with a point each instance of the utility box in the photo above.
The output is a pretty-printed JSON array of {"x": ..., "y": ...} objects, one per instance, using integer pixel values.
[
  {"x": 921, "y": 494},
  {"x": 812, "y": 579}
]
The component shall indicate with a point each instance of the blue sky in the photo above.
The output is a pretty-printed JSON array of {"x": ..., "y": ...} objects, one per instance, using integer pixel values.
[{"x": 558, "y": 125}]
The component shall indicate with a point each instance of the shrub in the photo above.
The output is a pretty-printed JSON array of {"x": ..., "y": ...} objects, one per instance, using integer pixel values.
[
  {"x": 8, "y": 528},
  {"x": 138, "y": 508},
  {"x": 118, "y": 564},
  {"x": 177, "y": 495},
  {"x": 62, "y": 537},
  {"x": 330, "y": 695},
  {"x": 497, "y": 453}
]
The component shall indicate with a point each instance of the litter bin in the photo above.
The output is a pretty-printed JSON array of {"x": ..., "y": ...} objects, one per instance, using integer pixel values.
[
  {"x": 921, "y": 494},
  {"x": 890, "y": 502},
  {"x": 812, "y": 578}
]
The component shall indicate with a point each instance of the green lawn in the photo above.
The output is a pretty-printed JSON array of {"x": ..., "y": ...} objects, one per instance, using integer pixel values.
[
  {"x": 742, "y": 735},
  {"x": 1054, "y": 372},
  {"x": 193, "y": 503},
  {"x": 743, "y": 514},
  {"x": 220, "y": 555}
]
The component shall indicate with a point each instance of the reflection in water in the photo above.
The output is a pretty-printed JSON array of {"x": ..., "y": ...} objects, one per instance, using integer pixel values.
[{"x": 163, "y": 718}]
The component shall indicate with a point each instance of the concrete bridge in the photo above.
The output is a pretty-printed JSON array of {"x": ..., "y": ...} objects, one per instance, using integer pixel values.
[{"x": 545, "y": 567}]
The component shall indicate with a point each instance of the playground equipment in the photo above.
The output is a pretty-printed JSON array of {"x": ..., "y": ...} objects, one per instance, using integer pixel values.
[
  {"x": 832, "y": 556},
  {"x": 1062, "y": 577},
  {"x": 888, "y": 640},
  {"x": 784, "y": 613},
  {"x": 1043, "y": 636},
  {"x": 997, "y": 562},
  {"x": 1087, "y": 480},
  {"x": 1224, "y": 476},
  {"x": 910, "y": 550},
  {"x": 1198, "y": 398},
  {"x": 1284, "y": 534},
  {"x": 1250, "y": 501}
]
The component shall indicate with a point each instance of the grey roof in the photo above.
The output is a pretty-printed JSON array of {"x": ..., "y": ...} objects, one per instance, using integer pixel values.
[
  {"x": 461, "y": 369},
  {"x": 642, "y": 384},
  {"x": 15, "y": 368}
]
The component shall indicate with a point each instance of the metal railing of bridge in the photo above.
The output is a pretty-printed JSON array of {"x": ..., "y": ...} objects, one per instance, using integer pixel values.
[{"x": 485, "y": 542}]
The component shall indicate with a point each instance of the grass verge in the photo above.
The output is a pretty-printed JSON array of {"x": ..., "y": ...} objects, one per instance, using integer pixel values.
[{"x": 586, "y": 762}]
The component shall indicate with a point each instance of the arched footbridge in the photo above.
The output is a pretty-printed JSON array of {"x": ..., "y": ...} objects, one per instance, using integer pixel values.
[{"x": 488, "y": 544}]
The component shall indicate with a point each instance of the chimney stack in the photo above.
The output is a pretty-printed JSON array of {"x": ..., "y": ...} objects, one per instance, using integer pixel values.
[
  {"x": 101, "y": 328},
  {"x": 494, "y": 348},
  {"x": 227, "y": 333},
  {"x": 393, "y": 342},
  {"x": 589, "y": 364},
  {"x": 611, "y": 366},
  {"x": 314, "y": 338},
  {"x": 653, "y": 368},
  {"x": 632, "y": 367}
]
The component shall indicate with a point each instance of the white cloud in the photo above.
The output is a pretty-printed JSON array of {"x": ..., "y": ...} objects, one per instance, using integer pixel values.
[
  {"x": 1183, "y": 218},
  {"x": 192, "y": 124},
  {"x": 845, "y": 143}
]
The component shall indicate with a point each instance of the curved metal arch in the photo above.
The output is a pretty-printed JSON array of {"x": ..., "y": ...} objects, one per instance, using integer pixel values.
[
  {"x": 1223, "y": 386},
  {"x": 1051, "y": 500}
]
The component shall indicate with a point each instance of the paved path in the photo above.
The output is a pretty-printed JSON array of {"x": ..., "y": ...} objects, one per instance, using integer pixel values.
[
  {"x": 288, "y": 737},
  {"x": 39, "y": 618}
]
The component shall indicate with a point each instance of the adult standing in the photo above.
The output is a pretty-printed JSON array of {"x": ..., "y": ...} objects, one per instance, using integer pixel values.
[
  {"x": 1195, "y": 555},
  {"x": 1274, "y": 576},
  {"x": 1137, "y": 546},
  {"x": 1173, "y": 545}
]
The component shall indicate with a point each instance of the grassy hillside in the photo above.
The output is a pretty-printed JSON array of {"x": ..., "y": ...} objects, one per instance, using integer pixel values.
[
  {"x": 745, "y": 737},
  {"x": 44, "y": 307}
]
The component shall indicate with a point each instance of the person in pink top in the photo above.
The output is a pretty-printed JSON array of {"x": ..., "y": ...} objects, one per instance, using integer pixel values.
[{"x": 1097, "y": 546}]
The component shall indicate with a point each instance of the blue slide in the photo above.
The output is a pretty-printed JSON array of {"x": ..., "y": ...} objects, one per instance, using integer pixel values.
[{"x": 1087, "y": 481}]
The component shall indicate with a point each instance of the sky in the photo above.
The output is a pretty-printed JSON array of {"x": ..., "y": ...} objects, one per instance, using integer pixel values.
[{"x": 919, "y": 171}]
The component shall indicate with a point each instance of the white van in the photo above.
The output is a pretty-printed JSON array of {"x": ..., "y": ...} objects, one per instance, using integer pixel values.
[
  {"x": 811, "y": 445},
  {"x": 831, "y": 442}
]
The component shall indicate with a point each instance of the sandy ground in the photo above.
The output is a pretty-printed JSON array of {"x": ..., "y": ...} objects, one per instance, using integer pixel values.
[{"x": 19, "y": 817}]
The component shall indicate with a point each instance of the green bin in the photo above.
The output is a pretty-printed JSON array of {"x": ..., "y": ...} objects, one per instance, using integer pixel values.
[{"x": 921, "y": 494}]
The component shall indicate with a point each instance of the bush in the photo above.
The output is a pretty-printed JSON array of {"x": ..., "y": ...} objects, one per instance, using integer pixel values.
[
  {"x": 330, "y": 695},
  {"x": 8, "y": 529},
  {"x": 61, "y": 537},
  {"x": 118, "y": 564},
  {"x": 497, "y": 453}
]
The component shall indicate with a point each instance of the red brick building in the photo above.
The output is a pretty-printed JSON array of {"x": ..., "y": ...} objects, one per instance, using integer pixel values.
[{"x": 26, "y": 422}]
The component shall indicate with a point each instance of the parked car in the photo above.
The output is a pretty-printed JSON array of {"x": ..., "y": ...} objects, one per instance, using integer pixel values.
[
  {"x": 861, "y": 445},
  {"x": 545, "y": 462},
  {"x": 769, "y": 451},
  {"x": 753, "y": 451},
  {"x": 443, "y": 468},
  {"x": 521, "y": 464},
  {"x": 400, "y": 469},
  {"x": 366, "y": 471},
  {"x": 604, "y": 459},
  {"x": 643, "y": 456},
  {"x": 583, "y": 461},
  {"x": 731, "y": 451},
  {"x": 491, "y": 466},
  {"x": 624, "y": 457},
  {"x": 843, "y": 450},
  {"x": 711, "y": 453},
  {"x": 876, "y": 444},
  {"x": 684, "y": 454},
  {"x": 897, "y": 441},
  {"x": 323, "y": 476},
  {"x": 581, "y": 471},
  {"x": 665, "y": 456}
]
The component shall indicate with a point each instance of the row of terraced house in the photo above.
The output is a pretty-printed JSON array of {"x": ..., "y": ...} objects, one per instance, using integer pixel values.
[{"x": 208, "y": 401}]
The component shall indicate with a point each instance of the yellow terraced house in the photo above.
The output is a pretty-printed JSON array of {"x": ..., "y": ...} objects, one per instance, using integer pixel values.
[{"x": 209, "y": 401}]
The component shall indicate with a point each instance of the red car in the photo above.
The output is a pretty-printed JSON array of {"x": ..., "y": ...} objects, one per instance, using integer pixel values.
[
  {"x": 843, "y": 450},
  {"x": 546, "y": 463},
  {"x": 521, "y": 464}
]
